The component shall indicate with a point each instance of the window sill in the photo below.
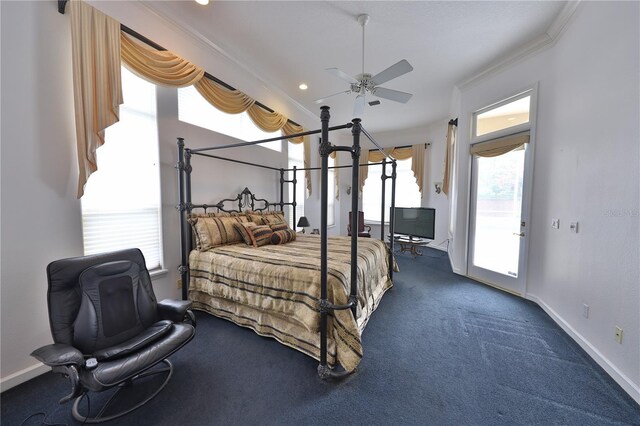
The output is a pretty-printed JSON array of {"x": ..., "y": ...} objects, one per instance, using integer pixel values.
[
  {"x": 374, "y": 222},
  {"x": 157, "y": 273}
]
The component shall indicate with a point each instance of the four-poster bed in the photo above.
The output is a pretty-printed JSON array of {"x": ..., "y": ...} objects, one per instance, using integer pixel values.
[{"x": 274, "y": 289}]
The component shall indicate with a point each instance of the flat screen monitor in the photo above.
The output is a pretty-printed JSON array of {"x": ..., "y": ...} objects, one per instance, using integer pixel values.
[{"x": 416, "y": 222}]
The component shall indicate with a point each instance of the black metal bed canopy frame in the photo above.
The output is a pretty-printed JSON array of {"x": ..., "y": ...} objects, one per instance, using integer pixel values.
[{"x": 247, "y": 199}]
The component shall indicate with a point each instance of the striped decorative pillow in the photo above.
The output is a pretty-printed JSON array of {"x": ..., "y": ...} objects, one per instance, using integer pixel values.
[
  {"x": 241, "y": 228},
  {"x": 212, "y": 232},
  {"x": 283, "y": 237},
  {"x": 273, "y": 218},
  {"x": 279, "y": 227},
  {"x": 260, "y": 234}
]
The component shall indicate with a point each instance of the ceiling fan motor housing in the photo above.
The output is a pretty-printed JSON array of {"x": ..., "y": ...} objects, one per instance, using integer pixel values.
[{"x": 365, "y": 84}]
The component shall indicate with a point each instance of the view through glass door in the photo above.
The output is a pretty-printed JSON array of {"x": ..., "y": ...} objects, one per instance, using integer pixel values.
[
  {"x": 500, "y": 188},
  {"x": 498, "y": 226}
]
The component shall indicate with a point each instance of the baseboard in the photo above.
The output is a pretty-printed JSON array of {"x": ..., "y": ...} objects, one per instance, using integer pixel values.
[
  {"x": 22, "y": 376},
  {"x": 631, "y": 388}
]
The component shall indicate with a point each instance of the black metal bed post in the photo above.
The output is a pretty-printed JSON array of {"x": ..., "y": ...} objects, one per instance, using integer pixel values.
[
  {"x": 324, "y": 154},
  {"x": 355, "y": 187},
  {"x": 294, "y": 202},
  {"x": 282, "y": 189},
  {"x": 383, "y": 177},
  {"x": 181, "y": 207},
  {"x": 392, "y": 216}
]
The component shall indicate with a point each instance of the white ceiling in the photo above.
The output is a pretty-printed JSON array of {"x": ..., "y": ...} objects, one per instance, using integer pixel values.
[{"x": 286, "y": 43}]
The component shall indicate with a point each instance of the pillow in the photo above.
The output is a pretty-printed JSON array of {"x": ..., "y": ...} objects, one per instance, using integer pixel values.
[
  {"x": 273, "y": 218},
  {"x": 260, "y": 234},
  {"x": 241, "y": 228},
  {"x": 283, "y": 237},
  {"x": 256, "y": 217},
  {"x": 266, "y": 218},
  {"x": 279, "y": 227},
  {"x": 212, "y": 232}
]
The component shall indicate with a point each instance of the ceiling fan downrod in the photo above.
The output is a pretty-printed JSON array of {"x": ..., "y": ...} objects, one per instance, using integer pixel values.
[{"x": 363, "y": 20}]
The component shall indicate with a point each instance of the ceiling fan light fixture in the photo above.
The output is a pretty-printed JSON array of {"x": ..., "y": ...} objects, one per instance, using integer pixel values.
[{"x": 303, "y": 86}]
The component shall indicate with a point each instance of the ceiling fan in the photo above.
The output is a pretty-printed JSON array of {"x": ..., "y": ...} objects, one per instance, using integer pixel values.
[{"x": 364, "y": 83}]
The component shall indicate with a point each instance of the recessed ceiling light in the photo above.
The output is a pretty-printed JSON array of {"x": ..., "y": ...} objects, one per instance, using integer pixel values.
[
  {"x": 203, "y": 2},
  {"x": 303, "y": 86}
]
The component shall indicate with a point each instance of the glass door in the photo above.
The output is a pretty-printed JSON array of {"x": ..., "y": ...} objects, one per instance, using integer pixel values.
[{"x": 498, "y": 226}]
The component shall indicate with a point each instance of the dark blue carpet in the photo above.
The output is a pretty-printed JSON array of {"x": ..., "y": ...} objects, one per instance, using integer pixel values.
[{"x": 441, "y": 349}]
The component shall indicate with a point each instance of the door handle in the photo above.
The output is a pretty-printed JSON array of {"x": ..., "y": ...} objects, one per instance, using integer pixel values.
[{"x": 521, "y": 234}]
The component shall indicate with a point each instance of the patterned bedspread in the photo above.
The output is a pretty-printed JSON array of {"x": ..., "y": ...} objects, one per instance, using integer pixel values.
[{"x": 274, "y": 290}]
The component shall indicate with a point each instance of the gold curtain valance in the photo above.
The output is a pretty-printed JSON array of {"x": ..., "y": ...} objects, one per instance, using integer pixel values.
[
  {"x": 415, "y": 152},
  {"x": 267, "y": 121},
  {"x": 99, "y": 47},
  {"x": 97, "y": 87},
  {"x": 229, "y": 101},
  {"x": 158, "y": 66},
  {"x": 496, "y": 147}
]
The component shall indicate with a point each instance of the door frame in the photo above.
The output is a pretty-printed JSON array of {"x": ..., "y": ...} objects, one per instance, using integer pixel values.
[{"x": 527, "y": 188}]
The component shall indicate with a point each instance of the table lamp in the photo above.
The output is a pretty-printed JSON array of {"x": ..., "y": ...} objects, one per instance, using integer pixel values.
[{"x": 302, "y": 222}]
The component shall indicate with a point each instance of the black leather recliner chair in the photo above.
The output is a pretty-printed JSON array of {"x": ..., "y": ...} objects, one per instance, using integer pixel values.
[{"x": 108, "y": 329}]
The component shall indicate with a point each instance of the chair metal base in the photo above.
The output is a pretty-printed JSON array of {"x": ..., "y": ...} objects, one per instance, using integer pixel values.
[{"x": 99, "y": 417}]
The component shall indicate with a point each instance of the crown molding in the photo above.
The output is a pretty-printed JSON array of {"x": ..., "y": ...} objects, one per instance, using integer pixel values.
[
  {"x": 544, "y": 41},
  {"x": 192, "y": 32}
]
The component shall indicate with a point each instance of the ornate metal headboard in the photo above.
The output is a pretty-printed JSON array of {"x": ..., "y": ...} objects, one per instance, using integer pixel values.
[{"x": 246, "y": 199}]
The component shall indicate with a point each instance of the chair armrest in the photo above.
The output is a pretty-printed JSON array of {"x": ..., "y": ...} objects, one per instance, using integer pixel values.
[
  {"x": 173, "y": 310},
  {"x": 368, "y": 228},
  {"x": 59, "y": 354}
]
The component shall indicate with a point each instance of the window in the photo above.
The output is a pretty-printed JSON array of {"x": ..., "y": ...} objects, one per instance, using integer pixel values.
[
  {"x": 331, "y": 194},
  {"x": 407, "y": 192},
  {"x": 194, "y": 109},
  {"x": 504, "y": 115},
  {"x": 121, "y": 202},
  {"x": 296, "y": 158}
]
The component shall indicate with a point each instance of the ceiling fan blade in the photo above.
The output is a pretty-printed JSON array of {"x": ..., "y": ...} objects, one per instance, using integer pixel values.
[
  {"x": 395, "y": 70},
  {"x": 392, "y": 95},
  {"x": 358, "y": 107},
  {"x": 321, "y": 100},
  {"x": 342, "y": 75}
]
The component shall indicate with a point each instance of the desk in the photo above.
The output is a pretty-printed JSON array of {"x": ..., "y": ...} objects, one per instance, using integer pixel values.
[{"x": 413, "y": 246}]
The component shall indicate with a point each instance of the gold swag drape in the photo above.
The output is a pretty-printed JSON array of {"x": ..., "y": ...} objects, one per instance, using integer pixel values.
[
  {"x": 415, "y": 152},
  {"x": 98, "y": 48},
  {"x": 496, "y": 147},
  {"x": 97, "y": 87},
  {"x": 163, "y": 67},
  {"x": 159, "y": 67}
]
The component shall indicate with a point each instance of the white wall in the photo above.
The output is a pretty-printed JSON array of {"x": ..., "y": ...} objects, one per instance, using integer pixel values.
[
  {"x": 41, "y": 218},
  {"x": 586, "y": 169}
]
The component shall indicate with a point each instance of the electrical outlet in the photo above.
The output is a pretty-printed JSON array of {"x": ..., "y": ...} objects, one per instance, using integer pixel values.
[
  {"x": 555, "y": 223},
  {"x": 585, "y": 310},
  {"x": 573, "y": 226},
  {"x": 179, "y": 283},
  {"x": 618, "y": 334}
]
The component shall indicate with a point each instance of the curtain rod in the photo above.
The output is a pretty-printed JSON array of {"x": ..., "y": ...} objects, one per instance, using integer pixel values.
[
  {"x": 426, "y": 145},
  {"x": 61, "y": 8}
]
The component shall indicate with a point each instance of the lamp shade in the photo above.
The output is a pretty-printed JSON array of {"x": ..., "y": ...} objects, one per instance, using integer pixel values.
[{"x": 303, "y": 221}]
